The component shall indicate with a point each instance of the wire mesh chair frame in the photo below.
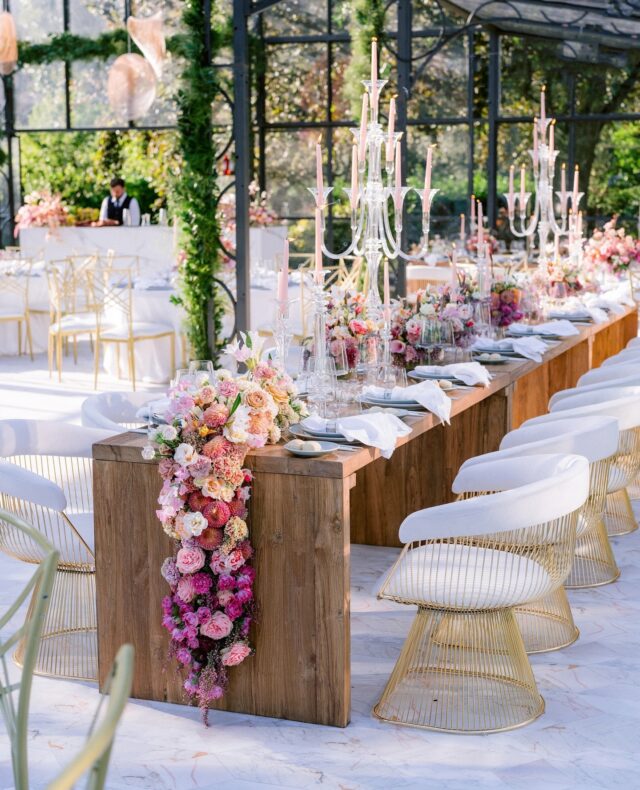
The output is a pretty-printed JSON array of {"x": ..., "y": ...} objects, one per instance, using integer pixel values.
[
  {"x": 463, "y": 667},
  {"x": 69, "y": 640},
  {"x": 95, "y": 755},
  {"x": 39, "y": 589},
  {"x": 15, "y": 278},
  {"x": 618, "y": 515},
  {"x": 114, "y": 292}
]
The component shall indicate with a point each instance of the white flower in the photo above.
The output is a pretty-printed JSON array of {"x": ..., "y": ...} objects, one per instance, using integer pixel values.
[
  {"x": 148, "y": 452},
  {"x": 185, "y": 454},
  {"x": 427, "y": 310},
  {"x": 236, "y": 430},
  {"x": 194, "y": 523},
  {"x": 168, "y": 433}
]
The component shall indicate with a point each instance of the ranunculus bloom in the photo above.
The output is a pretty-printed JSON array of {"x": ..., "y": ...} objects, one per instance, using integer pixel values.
[
  {"x": 236, "y": 654},
  {"x": 190, "y": 560},
  {"x": 217, "y": 627}
]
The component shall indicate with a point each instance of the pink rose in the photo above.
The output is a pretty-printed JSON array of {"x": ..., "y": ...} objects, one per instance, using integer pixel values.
[
  {"x": 218, "y": 627},
  {"x": 396, "y": 346},
  {"x": 190, "y": 560},
  {"x": 186, "y": 590},
  {"x": 225, "y": 597},
  {"x": 228, "y": 389},
  {"x": 236, "y": 654},
  {"x": 216, "y": 415},
  {"x": 235, "y": 560}
]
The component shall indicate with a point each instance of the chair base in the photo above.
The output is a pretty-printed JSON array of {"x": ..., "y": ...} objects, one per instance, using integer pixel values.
[
  {"x": 462, "y": 672},
  {"x": 69, "y": 643},
  {"x": 547, "y": 624},
  {"x": 593, "y": 563},
  {"x": 618, "y": 514},
  {"x": 633, "y": 489}
]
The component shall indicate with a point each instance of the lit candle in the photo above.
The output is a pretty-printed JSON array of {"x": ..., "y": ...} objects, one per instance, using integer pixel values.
[
  {"x": 511, "y": 192},
  {"x": 551, "y": 140},
  {"x": 454, "y": 267},
  {"x": 480, "y": 228},
  {"x": 374, "y": 76},
  {"x": 462, "y": 219},
  {"x": 397, "y": 198},
  {"x": 522, "y": 190},
  {"x": 535, "y": 142},
  {"x": 319, "y": 177},
  {"x": 318, "y": 275},
  {"x": 543, "y": 112},
  {"x": 574, "y": 199},
  {"x": 354, "y": 177},
  {"x": 283, "y": 281},
  {"x": 427, "y": 181},
  {"x": 386, "y": 290},
  {"x": 563, "y": 180},
  {"x": 473, "y": 211},
  {"x": 392, "y": 130},
  {"x": 363, "y": 126},
  {"x": 579, "y": 224}
]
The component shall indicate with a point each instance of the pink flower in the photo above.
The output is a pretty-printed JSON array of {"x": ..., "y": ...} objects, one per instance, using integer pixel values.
[
  {"x": 235, "y": 654},
  {"x": 183, "y": 655},
  {"x": 228, "y": 388},
  {"x": 218, "y": 627},
  {"x": 210, "y": 539},
  {"x": 233, "y": 609},
  {"x": 202, "y": 582},
  {"x": 397, "y": 346},
  {"x": 225, "y": 597},
  {"x": 358, "y": 327},
  {"x": 197, "y": 501},
  {"x": 217, "y": 513},
  {"x": 190, "y": 560},
  {"x": 216, "y": 415},
  {"x": 186, "y": 590},
  {"x": 235, "y": 560}
]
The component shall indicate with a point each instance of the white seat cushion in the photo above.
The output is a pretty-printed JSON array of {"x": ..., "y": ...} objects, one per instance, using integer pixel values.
[
  {"x": 75, "y": 322},
  {"x": 138, "y": 330},
  {"x": 466, "y": 577},
  {"x": 83, "y": 522},
  {"x": 10, "y": 315}
]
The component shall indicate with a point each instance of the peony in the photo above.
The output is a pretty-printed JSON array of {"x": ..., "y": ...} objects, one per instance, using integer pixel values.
[
  {"x": 235, "y": 654},
  {"x": 235, "y": 559},
  {"x": 185, "y": 454},
  {"x": 216, "y": 489},
  {"x": 190, "y": 560},
  {"x": 217, "y": 627},
  {"x": 186, "y": 590},
  {"x": 225, "y": 597}
]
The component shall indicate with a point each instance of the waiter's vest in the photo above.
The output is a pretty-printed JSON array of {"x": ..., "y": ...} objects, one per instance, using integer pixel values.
[{"x": 115, "y": 212}]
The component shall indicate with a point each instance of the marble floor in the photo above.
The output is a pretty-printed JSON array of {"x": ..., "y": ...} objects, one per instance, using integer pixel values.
[{"x": 589, "y": 736}]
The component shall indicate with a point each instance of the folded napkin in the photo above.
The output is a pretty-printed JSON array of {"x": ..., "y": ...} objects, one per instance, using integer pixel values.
[
  {"x": 561, "y": 328},
  {"x": 378, "y": 430},
  {"x": 529, "y": 347},
  {"x": 605, "y": 303},
  {"x": 426, "y": 393},
  {"x": 468, "y": 372}
]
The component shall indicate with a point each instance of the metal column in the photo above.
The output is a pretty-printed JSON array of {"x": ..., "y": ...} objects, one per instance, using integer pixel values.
[
  {"x": 404, "y": 93},
  {"x": 494, "y": 109}
]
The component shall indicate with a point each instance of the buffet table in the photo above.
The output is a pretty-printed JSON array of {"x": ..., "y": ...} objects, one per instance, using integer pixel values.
[{"x": 304, "y": 515}]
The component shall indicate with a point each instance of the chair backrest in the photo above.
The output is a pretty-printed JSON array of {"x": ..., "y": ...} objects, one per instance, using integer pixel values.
[
  {"x": 15, "y": 278},
  {"x": 628, "y": 356},
  {"x": 625, "y": 410},
  {"x": 602, "y": 396},
  {"x": 595, "y": 438},
  {"x": 38, "y": 589},
  {"x": 611, "y": 384},
  {"x": 114, "y": 411},
  {"x": 608, "y": 373},
  {"x": 94, "y": 756},
  {"x": 541, "y": 490},
  {"x": 48, "y": 437}
]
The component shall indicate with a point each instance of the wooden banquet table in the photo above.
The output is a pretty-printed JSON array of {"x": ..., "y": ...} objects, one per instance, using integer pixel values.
[{"x": 304, "y": 515}]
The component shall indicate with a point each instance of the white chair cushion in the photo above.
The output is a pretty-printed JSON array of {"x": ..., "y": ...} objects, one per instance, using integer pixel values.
[
  {"x": 10, "y": 315},
  {"x": 137, "y": 330},
  {"x": 75, "y": 322},
  {"x": 466, "y": 577}
]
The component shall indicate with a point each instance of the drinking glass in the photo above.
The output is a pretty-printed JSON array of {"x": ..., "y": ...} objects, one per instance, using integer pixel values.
[
  {"x": 337, "y": 349},
  {"x": 448, "y": 342},
  {"x": 390, "y": 377},
  {"x": 181, "y": 379},
  {"x": 431, "y": 340},
  {"x": 201, "y": 371}
]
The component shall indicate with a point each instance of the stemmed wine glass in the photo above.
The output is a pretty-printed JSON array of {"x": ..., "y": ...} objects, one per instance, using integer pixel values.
[{"x": 431, "y": 339}]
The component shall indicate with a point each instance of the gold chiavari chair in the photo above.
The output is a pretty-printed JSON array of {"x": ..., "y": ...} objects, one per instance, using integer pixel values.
[
  {"x": 46, "y": 479},
  {"x": 15, "y": 278},
  {"x": 466, "y": 565},
  {"x": 116, "y": 322},
  {"x": 113, "y": 261}
]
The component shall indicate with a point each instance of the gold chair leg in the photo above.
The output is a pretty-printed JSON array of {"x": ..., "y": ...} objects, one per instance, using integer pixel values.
[
  {"x": 27, "y": 322},
  {"x": 132, "y": 364},
  {"x": 96, "y": 364},
  {"x": 69, "y": 645},
  {"x": 50, "y": 346},
  {"x": 618, "y": 514},
  {"x": 547, "y": 624},
  {"x": 19, "y": 338},
  {"x": 59, "y": 358},
  {"x": 172, "y": 339},
  {"x": 634, "y": 489},
  {"x": 462, "y": 672},
  {"x": 593, "y": 562}
]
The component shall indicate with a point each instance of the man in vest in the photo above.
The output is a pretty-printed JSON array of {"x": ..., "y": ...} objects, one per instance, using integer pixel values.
[{"x": 112, "y": 209}]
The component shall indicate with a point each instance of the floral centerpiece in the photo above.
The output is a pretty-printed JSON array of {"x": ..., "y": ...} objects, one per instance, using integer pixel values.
[
  {"x": 41, "y": 210},
  {"x": 565, "y": 273},
  {"x": 490, "y": 241},
  {"x": 457, "y": 307},
  {"x": 406, "y": 323},
  {"x": 212, "y": 422},
  {"x": 505, "y": 303},
  {"x": 347, "y": 323},
  {"x": 612, "y": 248}
]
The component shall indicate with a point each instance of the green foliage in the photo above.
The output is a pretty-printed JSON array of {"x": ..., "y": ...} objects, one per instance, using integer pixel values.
[{"x": 368, "y": 23}]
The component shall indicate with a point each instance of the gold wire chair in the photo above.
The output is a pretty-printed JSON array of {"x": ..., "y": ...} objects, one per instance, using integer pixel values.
[
  {"x": 38, "y": 589},
  {"x": 463, "y": 667},
  {"x": 15, "y": 278},
  {"x": 116, "y": 323},
  {"x": 47, "y": 481}
]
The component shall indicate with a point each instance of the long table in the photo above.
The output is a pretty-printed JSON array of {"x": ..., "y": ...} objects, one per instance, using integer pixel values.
[{"x": 304, "y": 516}]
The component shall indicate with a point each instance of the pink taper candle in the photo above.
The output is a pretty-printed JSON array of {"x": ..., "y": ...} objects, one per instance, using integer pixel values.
[
  {"x": 427, "y": 181},
  {"x": 574, "y": 199},
  {"x": 392, "y": 130},
  {"x": 543, "y": 112},
  {"x": 397, "y": 198},
  {"x": 522, "y": 189},
  {"x": 283, "y": 280},
  {"x": 354, "y": 177},
  {"x": 480, "y": 228},
  {"x": 462, "y": 218},
  {"x": 551, "y": 138},
  {"x": 318, "y": 275},
  {"x": 511, "y": 188},
  {"x": 563, "y": 180},
  {"x": 473, "y": 211},
  {"x": 386, "y": 290},
  {"x": 319, "y": 176},
  {"x": 374, "y": 76},
  {"x": 363, "y": 127},
  {"x": 535, "y": 142}
]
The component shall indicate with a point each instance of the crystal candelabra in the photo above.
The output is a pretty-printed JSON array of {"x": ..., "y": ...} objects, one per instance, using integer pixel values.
[
  {"x": 282, "y": 334},
  {"x": 376, "y": 195},
  {"x": 544, "y": 219}
]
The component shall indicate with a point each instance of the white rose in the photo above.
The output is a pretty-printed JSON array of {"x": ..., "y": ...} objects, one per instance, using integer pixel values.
[
  {"x": 427, "y": 309},
  {"x": 184, "y": 454},
  {"x": 148, "y": 453},
  {"x": 168, "y": 433},
  {"x": 195, "y": 523},
  {"x": 236, "y": 429}
]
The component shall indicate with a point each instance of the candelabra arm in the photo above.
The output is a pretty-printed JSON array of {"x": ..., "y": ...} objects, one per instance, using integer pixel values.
[{"x": 526, "y": 230}]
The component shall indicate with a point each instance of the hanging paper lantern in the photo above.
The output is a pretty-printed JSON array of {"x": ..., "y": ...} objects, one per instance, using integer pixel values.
[
  {"x": 149, "y": 38},
  {"x": 131, "y": 86},
  {"x": 8, "y": 44}
]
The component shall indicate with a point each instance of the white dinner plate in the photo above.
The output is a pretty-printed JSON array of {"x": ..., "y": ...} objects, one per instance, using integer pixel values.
[
  {"x": 500, "y": 361},
  {"x": 370, "y": 400},
  {"x": 325, "y": 447},
  {"x": 306, "y": 433}
]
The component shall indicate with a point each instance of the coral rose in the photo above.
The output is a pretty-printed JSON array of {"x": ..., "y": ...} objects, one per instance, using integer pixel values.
[
  {"x": 217, "y": 627},
  {"x": 190, "y": 560},
  {"x": 216, "y": 415},
  {"x": 256, "y": 399},
  {"x": 236, "y": 654}
]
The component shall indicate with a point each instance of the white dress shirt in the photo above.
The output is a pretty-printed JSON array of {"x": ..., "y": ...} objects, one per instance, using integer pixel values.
[{"x": 134, "y": 208}]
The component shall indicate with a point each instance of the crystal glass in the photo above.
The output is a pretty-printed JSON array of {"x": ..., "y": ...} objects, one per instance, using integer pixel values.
[
  {"x": 337, "y": 349},
  {"x": 432, "y": 340},
  {"x": 181, "y": 379},
  {"x": 391, "y": 376}
]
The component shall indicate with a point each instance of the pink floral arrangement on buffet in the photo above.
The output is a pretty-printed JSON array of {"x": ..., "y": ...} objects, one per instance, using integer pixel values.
[
  {"x": 41, "y": 210},
  {"x": 566, "y": 273},
  {"x": 203, "y": 506},
  {"x": 612, "y": 248}
]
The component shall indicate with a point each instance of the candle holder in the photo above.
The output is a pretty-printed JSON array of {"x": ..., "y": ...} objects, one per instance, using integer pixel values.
[
  {"x": 282, "y": 333},
  {"x": 319, "y": 379}
]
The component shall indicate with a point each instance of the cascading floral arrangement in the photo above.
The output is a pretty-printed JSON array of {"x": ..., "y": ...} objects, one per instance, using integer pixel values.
[
  {"x": 41, "y": 210},
  {"x": 211, "y": 423},
  {"x": 611, "y": 248},
  {"x": 505, "y": 303}
]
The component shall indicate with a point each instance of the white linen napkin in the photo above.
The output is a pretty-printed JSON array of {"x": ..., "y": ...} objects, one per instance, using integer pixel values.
[
  {"x": 378, "y": 430},
  {"x": 561, "y": 328},
  {"x": 605, "y": 303},
  {"x": 426, "y": 393},
  {"x": 468, "y": 372},
  {"x": 530, "y": 347}
]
